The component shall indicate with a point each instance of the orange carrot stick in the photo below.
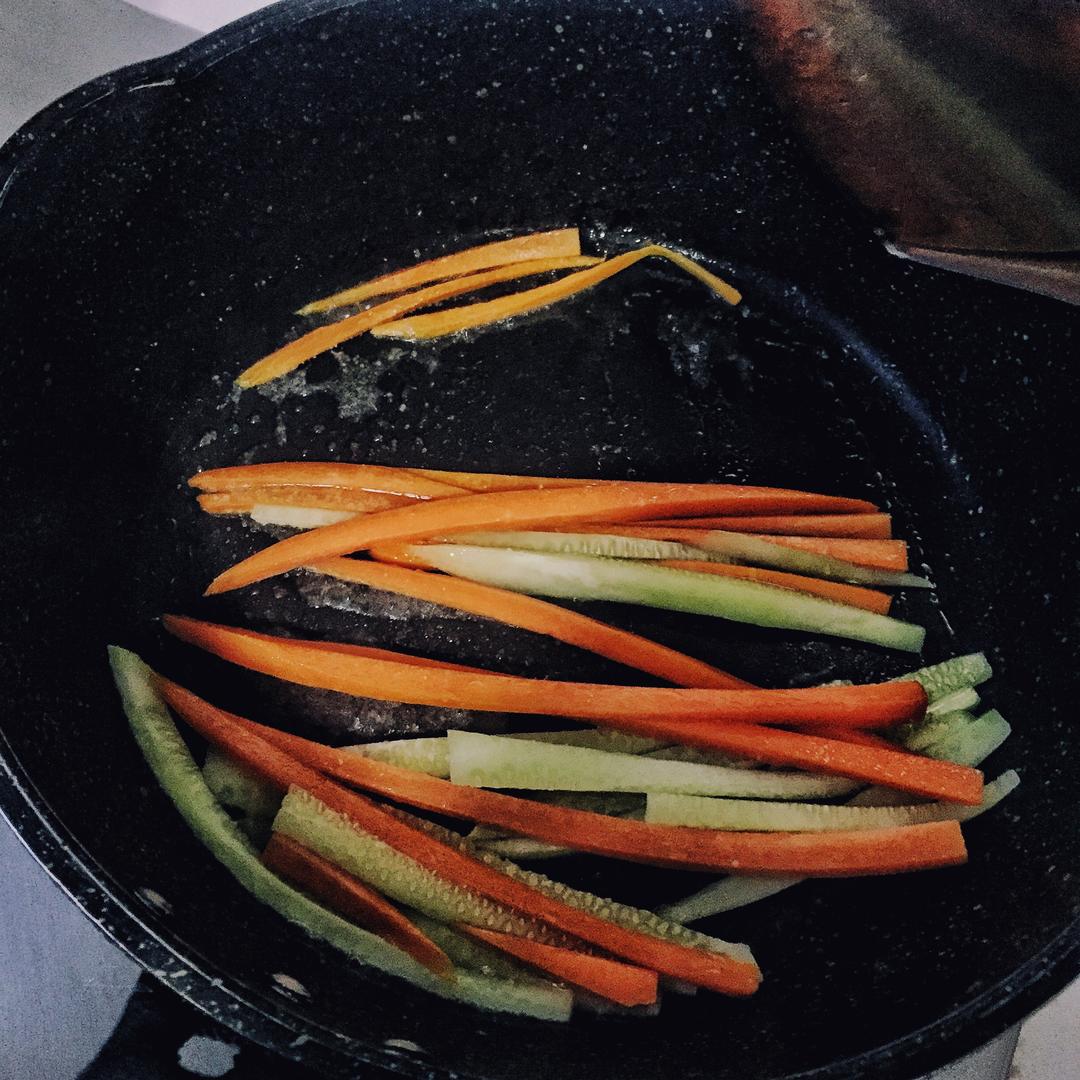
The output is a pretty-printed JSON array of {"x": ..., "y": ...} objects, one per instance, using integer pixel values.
[
  {"x": 322, "y": 338},
  {"x": 538, "y": 616},
  {"x": 852, "y": 735},
  {"x": 879, "y": 554},
  {"x": 479, "y": 482},
  {"x": 853, "y": 526},
  {"x": 507, "y": 509},
  {"x": 611, "y": 979},
  {"x": 382, "y": 479},
  {"x": 353, "y": 900},
  {"x": 360, "y": 674},
  {"x": 714, "y": 971},
  {"x": 827, "y": 854},
  {"x": 450, "y": 321},
  {"x": 352, "y": 500},
  {"x": 853, "y": 595},
  {"x": 557, "y": 244}
]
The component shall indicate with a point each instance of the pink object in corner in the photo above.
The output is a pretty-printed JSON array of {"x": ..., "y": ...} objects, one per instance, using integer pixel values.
[{"x": 204, "y": 15}]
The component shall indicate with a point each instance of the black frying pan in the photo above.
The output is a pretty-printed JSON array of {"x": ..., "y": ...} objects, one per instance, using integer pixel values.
[{"x": 157, "y": 227}]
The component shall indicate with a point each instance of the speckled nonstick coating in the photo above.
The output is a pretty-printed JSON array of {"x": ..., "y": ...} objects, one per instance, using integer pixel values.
[{"x": 158, "y": 226}]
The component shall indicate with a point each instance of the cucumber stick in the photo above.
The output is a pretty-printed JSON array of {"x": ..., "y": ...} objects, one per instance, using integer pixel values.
[
  {"x": 497, "y": 762},
  {"x": 585, "y": 577},
  {"x": 971, "y": 744},
  {"x": 180, "y": 777},
  {"x": 297, "y": 517},
  {"x": 432, "y": 755},
  {"x": 957, "y": 673},
  {"x": 714, "y": 546},
  {"x": 235, "y": 787},
  {"x": 745, "y": 815},
  {"x": 957, "y": 701}
]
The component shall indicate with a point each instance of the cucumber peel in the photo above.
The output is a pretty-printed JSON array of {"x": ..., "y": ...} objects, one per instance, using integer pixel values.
[
  {"x": 179, "y": 776},
  {"x": 957, "y": 673},
  {"x": 586, "y": 577}
]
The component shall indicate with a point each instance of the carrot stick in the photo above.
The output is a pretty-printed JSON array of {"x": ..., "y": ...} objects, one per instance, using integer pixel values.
[
  {"x": 322, "y": 338},
  {"x": 450, "y": 321},
  {"x": 851, "y": 735},
  {"x": 611, "y": 979},
  {"x": 352, "y": 500},
  {"x": 557, "y": 244},
  {"x": 879, "y": 554},
  {"x": 480, "y": 482},
  {"x": 853, "y": 595},
  {"x": 858, "y": 526},
  {"x": 330, "y": 668},
  {"x": 506, "y": 509},
  {"x": 538, "y": 616},
  {"x": 712, "y": 970},
  {"x": 381, "y": 479},
  {"x": 351, "y": 898},
  {"x": 826, "y": 854}
]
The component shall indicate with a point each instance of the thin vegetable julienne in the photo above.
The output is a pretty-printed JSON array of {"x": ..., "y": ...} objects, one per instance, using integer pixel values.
[
  {"x": 352, "y": 899},
  {"x": 322, "y": 338},
  {"x": 864, "y": 526},
  {"x": 555, "y": 244},
  {"x": 538, "y": 616},
  {"x": 356, "y": 670},
  {"x": 711, "y": 970},
  {"x": 450, "y": 321},
  {"x": 510, "y": 509}
]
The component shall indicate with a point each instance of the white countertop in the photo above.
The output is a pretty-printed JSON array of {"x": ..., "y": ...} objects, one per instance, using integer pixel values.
[{"x": 46, "y": 48}]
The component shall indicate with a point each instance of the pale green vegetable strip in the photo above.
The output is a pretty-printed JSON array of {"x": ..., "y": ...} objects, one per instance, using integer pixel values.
[
  {"x": 583, "y": 577},
  {"x": 957, "y": 701},
  {"x": 701, "y": 757},
  {"x": 395, "y": 875},
  {"x": 235, "y": 787},
  {"x": 630, "y": 918},
  {"x": 974, "y": 743},
  {"x": 432, "y": 755},
  {"x": 496, "y": 762},
  {"x": 743, "y": 815},
  {"x": 523, "y": 847},
  {"x": 180, "y": 777},
  {"x": 715, "y": 546},
  {"x": 297, "y": 517},
  {"x": 951, "y": 675},
  {"x": 932, "y": 729}
]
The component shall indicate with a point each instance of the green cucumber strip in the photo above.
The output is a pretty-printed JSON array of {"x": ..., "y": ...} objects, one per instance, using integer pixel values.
[
  {"x": 932, "y": 729},
  {"x": 402, "y": 879},
  {"x": 296, "y": 517},
  {"x": 715, "y": 546},
  {"x": 744, "y": 815},
  {"x": 972, "y": 742},
  {"x": 958, "y": 673},
  {"x": 432, "y": 755},
  {"x": 701, "y": 757},
  {"x": 584, "y": 577},
  {"x": 978, "y": 740},
  {"x": 630, "y": 918},
  {"x": 523, "y": 847},
  {"x": 179, "y": 776},
  {"x": 958, "y": 701},
  {"x": 727, "y": 894},
  {"x": 233, "y": 786},
  {"x": 496, "y": 762}
]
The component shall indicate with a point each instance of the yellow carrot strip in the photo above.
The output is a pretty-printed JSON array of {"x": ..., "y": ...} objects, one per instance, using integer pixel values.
[
  {"x": 291, "y": 356},
  {"x": 557, "y": 244},
  {"x": 439, "y": 323}
]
